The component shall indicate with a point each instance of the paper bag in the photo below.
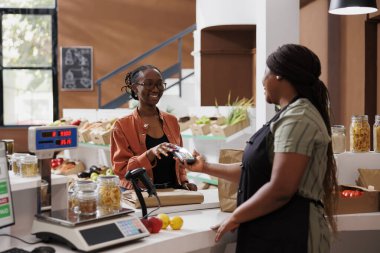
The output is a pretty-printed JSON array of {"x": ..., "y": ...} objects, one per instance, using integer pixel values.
[
  {"x": 168, "y": 197},
  {"x": 228, "y": 190},
  {"x": 369, "y": 177}
]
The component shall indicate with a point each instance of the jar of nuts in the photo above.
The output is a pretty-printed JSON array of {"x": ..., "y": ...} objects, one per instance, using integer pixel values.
[
  {"x": 80, "y": 185},
  {"x": 87, "y": 202},
  {"x": 376, "y": 134},
  {"x": 360, "y": 134},
  {"x": 109, "y": 194}
]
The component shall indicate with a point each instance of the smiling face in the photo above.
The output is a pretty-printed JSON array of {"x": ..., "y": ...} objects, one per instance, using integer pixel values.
[{"x": 148, "y": 96}]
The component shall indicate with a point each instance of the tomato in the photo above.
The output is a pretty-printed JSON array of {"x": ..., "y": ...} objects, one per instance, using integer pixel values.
[
  {"x": 345, "y": 193},
  {"x": 357, "y": 193},
  {"x": 351, "y": 193}
]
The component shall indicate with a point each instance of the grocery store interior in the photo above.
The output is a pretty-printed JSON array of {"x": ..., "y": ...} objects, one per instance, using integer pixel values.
[{"x": 63, "y": 65}]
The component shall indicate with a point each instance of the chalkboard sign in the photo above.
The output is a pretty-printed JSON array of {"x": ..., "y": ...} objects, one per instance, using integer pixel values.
[{"x": 76, "y": 68}]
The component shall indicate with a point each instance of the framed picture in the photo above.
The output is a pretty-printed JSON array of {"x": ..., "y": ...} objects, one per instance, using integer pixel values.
[{"x": 76, "y": 69}]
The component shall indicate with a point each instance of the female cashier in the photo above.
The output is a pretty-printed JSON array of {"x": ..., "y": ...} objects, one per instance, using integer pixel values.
[
  {"x": 145, "y": 138},
  {"x": 287, "y": 175}
]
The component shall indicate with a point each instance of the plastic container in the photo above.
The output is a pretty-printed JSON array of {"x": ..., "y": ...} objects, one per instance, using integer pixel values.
[
  {"x": 87, "y": 202},
  {"x": 109, "y": 194},
  {"x": 376, "y": 134},
  {"x": 338, "y": 137},
  {"x": 360, "y": 134},
  {"x": 28, "y": 166}
]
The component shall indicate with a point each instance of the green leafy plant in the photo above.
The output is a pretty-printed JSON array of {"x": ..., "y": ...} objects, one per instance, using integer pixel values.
[{"x": 239, "y": 109}]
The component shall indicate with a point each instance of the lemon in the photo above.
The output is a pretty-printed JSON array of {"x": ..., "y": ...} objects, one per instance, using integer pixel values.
[
  {"x": 165, "y": 220},
  {"x": 176, "y": 223}
]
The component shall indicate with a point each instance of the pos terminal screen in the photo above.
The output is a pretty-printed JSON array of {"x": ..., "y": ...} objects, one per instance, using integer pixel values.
[{"x": 7, "y": 217}]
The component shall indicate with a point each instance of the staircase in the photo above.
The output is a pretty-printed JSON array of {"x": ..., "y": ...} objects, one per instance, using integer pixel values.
[{"x": 174, "y": 85}]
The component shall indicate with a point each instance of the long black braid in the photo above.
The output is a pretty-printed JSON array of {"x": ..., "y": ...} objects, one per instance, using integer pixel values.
[
  {"x": 302, "y": 68},
  {"x": 131, "y": 78}
]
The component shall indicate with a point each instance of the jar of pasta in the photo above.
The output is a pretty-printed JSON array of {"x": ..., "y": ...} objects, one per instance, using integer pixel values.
[
  {"x": 28, "y": 166},
  {"x": 338, "y": 137},
  {"x": 87, "y": 202},
  {"x": 376, "y": 134},
  {"x": 109, "y": 194},
  {"x": 360, "y": 134}
]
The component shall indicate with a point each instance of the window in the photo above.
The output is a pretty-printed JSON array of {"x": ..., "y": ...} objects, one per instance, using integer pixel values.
[{"x": 28, "y": 62}]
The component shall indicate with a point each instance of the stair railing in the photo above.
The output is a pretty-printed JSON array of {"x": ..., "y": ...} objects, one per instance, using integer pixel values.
[{"x": 170, "y": 71}]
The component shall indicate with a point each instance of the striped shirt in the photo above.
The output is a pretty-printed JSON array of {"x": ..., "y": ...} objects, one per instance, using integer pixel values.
[{"x": 301, "y": 129}]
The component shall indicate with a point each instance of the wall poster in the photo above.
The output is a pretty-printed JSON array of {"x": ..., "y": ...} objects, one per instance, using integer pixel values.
[{"x": 76, "y": 68}]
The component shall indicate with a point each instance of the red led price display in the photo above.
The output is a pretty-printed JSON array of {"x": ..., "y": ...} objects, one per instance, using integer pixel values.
[
  {"x": 63, "y": 142},
  {"x": 65, "y": 133}
]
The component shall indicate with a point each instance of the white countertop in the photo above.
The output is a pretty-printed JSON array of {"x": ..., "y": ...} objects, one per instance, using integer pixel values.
[
  {"x": 19, "y": 183},
  {"x": 194, "y": 235}
]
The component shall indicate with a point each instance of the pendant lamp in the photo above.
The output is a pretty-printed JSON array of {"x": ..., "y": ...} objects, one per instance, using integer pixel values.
[{"x": 352, "y": 7}]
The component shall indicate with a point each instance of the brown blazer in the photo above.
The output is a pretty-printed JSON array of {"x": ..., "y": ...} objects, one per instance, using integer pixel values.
[{"x": 128, "y": 149}]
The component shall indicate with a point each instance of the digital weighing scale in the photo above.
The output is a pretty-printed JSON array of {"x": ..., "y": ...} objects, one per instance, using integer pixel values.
[{"x": 86, "y": 233}]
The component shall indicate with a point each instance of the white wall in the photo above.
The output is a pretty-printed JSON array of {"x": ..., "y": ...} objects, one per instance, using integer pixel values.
[{"x": 277, "y": 23}]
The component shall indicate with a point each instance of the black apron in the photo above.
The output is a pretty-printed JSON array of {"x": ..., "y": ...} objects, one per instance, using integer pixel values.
[{"x": 284, "y": 230}]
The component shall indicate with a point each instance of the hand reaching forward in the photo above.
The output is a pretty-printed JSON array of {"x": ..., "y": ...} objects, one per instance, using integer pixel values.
[
  {"x": 199, "y": 163},
  {"x": 159, "y": 150}
]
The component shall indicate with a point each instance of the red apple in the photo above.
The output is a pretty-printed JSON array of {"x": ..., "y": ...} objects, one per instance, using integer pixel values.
[
  {"x": 54, "y": 163},
  {"x": 76, "y": 122},
  {"x": 147, "y": 224},
  {"x": 60, "y": 160},
  {"x": 156, "y": 224}
]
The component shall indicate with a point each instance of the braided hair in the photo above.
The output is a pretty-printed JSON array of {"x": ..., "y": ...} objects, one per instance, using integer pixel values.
[
  {"x": 302, "y": 68},
  {"x": 131, "y": 78}
]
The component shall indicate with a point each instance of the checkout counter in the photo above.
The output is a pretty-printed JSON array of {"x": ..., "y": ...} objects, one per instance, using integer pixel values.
[
  {"x": 356, "y": 232},
  {"x": 195, "y": 235}
]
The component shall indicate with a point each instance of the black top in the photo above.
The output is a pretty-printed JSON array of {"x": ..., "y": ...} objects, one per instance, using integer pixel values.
[{"x": 164, "y": 171}]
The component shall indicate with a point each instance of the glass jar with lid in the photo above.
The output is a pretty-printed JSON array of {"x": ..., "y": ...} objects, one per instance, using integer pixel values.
[
  {"x": 87, "y": 202},
  {"x": 338, "y": 137},
  {"x": 15, "y": 162},
  {"x": 360, "y": 134},
  {"x": 376, "y": 134},
  {"x": 79, "y": 185},
  {"x": 28, "y": 166},
  {"x": 109, "y": 194}
]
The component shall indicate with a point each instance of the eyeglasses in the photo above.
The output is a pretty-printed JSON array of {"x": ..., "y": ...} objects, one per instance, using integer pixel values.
[{"x": 150, "y": 84}]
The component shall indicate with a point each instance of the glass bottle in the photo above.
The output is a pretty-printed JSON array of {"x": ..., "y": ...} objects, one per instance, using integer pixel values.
[
  {"x": 87, "y": 202},
  {"x": 28, "y": 166},
  {"x": 360, "y": 136},
  {"x": 376, "y": 134},
  {"x": 109, "y": 194},
  {"x": 338, "y": 137}
]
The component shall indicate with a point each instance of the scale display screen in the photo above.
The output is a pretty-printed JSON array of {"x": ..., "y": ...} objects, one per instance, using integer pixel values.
[
  {"x": 112, "y": 231},
  {"x": 53, "y": 138}
]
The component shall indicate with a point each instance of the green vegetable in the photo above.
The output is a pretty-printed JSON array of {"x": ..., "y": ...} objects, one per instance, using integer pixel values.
[
  {"x": 203, "y": 120},
  {"x": 239, "y": 110}
]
